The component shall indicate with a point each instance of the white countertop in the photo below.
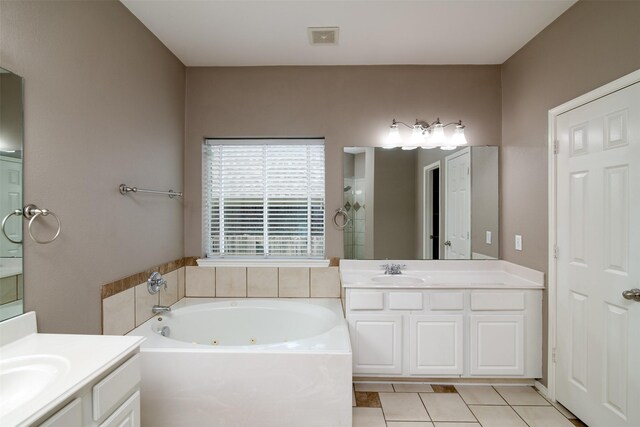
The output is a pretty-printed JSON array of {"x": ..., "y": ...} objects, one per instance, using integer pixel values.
[
  {"x": 85, "y": 356},
  {"x": 441, "y": 275}
]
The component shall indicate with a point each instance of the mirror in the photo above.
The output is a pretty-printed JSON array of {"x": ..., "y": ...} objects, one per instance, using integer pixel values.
[
  {"x": 11, "y": 137},
  {"x": 421, "y": 204}
]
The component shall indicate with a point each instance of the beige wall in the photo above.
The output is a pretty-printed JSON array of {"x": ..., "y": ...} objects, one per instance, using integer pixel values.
[
  {"x": 104, "y": 104},
  {"x": 346, "y": 105},
  {"x": 589, "y": 45}
]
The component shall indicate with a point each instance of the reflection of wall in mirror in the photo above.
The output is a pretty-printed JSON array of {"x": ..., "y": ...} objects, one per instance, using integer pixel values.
[
  {"x": 484, "y": 202},
  {"x": 394, "y": 210}
]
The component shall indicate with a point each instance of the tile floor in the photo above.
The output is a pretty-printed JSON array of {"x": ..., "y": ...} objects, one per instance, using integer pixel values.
[{"x": 432, "y": 405}]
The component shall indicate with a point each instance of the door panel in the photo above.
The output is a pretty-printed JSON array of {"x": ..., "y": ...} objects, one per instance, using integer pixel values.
[
  {"x": 377, "y": 343},
  {"x": 598, "y": 233},
  {"x": 435, "y": 345},
  {"x": 497, "y": 344}
]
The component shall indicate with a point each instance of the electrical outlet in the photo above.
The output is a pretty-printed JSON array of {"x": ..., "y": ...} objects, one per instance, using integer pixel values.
[
  {"x": 487, "y": 239},
  {"x": 518, "y": 242}
]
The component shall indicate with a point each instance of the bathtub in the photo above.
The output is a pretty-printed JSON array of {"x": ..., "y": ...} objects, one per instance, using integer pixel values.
[{"x": 247, "y": 362}]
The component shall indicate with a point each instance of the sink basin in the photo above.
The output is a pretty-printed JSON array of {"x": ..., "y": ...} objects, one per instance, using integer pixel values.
[
  {"x": 397, "y": 279},
  {"x": 23, "y": 378}
]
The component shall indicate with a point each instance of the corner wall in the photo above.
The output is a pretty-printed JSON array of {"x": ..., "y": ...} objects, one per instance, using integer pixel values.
[
  {"x": 104, "y": 105},
  {"x": 591, "y": 44}
]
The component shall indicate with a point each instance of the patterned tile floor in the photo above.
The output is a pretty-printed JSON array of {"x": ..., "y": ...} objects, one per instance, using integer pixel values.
[{"x": 432, "y": 405}]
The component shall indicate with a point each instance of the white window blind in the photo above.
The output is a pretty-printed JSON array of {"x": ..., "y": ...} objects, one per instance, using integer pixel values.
[{"x": 263, "y": 198}]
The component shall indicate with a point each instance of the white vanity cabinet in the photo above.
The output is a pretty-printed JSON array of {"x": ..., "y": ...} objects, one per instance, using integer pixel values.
[
  {"x": 111, "y": 399},
  {"x": 442, "y": 332}
]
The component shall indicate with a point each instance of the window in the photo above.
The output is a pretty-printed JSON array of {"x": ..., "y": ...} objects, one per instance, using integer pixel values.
[{"x": 263, "y": 198}]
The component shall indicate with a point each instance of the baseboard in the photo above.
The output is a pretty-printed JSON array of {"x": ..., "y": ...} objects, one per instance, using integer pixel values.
[
  {"x": 445, "y": 381},
  {"x": 542, "y": 389}
]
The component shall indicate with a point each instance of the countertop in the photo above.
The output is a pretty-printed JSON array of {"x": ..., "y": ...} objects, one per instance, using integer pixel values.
[
  {"x": 441, "y": 275},
  {"x": 85, "y": 356}
]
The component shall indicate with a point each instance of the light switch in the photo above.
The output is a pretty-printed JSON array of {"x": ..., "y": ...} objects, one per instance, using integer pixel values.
[
  {"x": 518, "y": 242},
  {"x": 488, "y": 238}
]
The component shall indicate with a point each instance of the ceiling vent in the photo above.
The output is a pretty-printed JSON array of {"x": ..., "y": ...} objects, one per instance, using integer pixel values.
[{"x": 323, "y": 36}]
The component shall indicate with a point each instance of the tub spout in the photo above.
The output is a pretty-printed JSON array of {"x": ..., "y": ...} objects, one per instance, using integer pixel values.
[{"x": 160, "y": 309}]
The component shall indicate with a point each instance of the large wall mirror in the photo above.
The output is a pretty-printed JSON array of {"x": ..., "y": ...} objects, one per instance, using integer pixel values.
[
  {"x": 421, "y": 204},
  {"x": 11, "y": 137}
]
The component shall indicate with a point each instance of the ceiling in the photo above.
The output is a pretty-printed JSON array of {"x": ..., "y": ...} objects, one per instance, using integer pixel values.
[{"x": 265, "y": 32}]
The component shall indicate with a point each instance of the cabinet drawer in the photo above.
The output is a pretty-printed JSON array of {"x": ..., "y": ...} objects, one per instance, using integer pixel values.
[
  {"x": 497, "y": 301},
  {"x": 117, "y": 385},
  {"x": 405, "y": 300},
  {"x": 366, "y": 301},
  {"x": 446, "y": 300},
  {"x": 69, "y": 416}
]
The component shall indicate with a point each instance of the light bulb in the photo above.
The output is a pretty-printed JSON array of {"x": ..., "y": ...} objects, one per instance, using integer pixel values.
[
  {"x": 393, "y": 139},
  {"x": 437, "y": 134},
  {"x": 458, "y": 137}
]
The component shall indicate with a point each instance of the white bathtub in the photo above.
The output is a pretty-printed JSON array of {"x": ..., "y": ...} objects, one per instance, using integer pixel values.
[{"x": 247, "y": 362}]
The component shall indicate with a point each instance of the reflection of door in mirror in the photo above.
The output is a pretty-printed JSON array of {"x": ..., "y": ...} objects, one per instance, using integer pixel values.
[
  {"x": 431, "y": 217},
  {"x": 11, "y": 135},
  {"x": 458, "y": 205}
]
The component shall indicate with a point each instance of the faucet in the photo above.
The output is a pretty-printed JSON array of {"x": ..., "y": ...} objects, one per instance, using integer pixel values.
[
  {"x": 160, "y": 309},
  {"x": 393, "y": 268}
]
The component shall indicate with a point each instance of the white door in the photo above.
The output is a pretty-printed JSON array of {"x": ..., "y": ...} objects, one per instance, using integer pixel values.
[
  {"x": 598, "y": 236},
  {"x": 457, "y": 205},
  {"x": 377, "y": 343},
  {"x": 435, "y": 345}
]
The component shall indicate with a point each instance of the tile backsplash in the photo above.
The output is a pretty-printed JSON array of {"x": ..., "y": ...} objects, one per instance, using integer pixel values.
[
  {"x": 127, "y": 304},
  {"x": 263, "y": 282}
]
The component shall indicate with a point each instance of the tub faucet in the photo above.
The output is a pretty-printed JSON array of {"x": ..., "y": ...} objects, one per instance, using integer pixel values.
[
  {"x": 393, "y": 268},
  {"x": 160, "y": 309}
]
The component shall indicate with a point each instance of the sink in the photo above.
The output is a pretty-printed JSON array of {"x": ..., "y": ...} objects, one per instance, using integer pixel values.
[
  {"x": 397, "y": 279},
  {"x": 23, "y": 378}
]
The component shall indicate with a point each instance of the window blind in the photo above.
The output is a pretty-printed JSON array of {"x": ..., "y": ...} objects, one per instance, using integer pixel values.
[{"x": 263, "y": 198}]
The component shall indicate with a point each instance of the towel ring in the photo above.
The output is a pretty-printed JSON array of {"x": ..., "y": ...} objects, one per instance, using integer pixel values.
[
  {"x": 17, "y": 212},
  {"x": 44, "y": 212},
  {"x": 345, "y": 217}
]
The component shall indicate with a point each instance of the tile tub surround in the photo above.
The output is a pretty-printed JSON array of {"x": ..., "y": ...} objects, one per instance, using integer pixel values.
[
  {"x": 124, "y": 310},
  {"x": 262, "y": 282},
  {"x": 429, "y": 405},
  {"x": 126, "y": 303}
]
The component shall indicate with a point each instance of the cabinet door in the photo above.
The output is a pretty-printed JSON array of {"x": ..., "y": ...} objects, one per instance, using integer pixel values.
[
  {"x": 69, "y": 416},
  {"x": 377, "y": 341},
  {"x": 127, "y": 415},
  {"x": 436, "y": 345},
  {"x": 497, "y": 344}
]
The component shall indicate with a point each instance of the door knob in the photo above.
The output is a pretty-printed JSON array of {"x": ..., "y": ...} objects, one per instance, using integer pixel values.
[
  {"x": 447, "y": 243},
  {"x": 633, "y": 294}
]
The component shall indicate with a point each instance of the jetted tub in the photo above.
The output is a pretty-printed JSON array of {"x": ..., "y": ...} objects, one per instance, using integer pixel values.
[{"x": 247, "y": 362}]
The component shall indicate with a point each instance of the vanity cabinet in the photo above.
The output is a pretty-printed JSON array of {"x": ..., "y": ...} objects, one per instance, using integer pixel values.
[
  {"x": 446, "y": 332},
  {"x": 111, "y": 399}
]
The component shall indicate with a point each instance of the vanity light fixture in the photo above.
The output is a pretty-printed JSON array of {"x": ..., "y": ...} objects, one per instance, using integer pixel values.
[{"x": 426, "y": 135}]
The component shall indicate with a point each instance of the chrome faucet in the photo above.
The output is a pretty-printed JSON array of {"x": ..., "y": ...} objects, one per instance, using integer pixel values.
[
  {"x": 393, "y": 268},
  {"x": 160, "y": 309}
]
